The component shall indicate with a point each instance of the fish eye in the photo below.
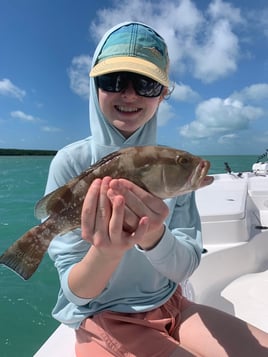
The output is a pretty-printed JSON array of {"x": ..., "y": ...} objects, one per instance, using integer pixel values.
[{"x": 182, "y": 160}]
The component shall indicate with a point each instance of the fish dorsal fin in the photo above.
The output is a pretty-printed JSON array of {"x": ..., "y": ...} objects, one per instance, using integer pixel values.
[{"x": 47, "y": 204}]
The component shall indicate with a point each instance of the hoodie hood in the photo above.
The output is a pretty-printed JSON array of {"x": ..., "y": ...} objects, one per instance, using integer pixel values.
[{"x": 105, "y": 137}]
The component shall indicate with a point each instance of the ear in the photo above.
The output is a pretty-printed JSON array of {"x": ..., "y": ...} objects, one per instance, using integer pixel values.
[{"x": 163, "y": 94}]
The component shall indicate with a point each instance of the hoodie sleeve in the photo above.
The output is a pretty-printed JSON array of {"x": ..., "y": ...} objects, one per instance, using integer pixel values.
[{"x": 179, "y": 251}]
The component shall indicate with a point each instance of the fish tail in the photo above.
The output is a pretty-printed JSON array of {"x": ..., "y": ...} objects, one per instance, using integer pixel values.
[{"x": 25, "y": 254}]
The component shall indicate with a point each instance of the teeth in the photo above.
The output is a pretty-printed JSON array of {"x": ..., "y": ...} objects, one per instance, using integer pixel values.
[{"x": 127, "y": 109}]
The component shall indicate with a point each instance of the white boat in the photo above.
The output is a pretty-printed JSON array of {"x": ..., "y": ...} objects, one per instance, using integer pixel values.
[{"x": 233, "y": 274}]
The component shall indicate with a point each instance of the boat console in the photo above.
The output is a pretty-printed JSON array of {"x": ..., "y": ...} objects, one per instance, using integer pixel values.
[
  {"x": 222, "y": 208},
  {"x": 233, "y": 274}
]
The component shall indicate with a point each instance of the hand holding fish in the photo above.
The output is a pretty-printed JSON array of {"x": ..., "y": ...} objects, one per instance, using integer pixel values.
[
  {"x": 102, "y": 220},
  {"x": 140, "y": 203}
]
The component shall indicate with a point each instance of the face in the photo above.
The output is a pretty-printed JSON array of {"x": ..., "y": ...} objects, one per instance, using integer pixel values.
[{"x": 126, "y": 110}]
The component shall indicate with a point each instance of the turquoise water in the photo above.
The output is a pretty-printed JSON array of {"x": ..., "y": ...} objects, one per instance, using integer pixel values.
[
  {"x": 237, "y": 163},
  {"x": 25, "y": 306}
]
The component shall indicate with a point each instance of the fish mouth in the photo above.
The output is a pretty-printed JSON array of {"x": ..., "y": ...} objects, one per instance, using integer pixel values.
[{"x": 199, "y": 178}]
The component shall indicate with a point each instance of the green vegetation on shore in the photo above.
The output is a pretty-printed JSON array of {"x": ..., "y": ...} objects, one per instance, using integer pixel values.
[{"x": 26, "y": 152}]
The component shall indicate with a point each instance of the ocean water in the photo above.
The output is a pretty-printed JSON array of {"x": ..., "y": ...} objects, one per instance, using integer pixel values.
[{"x": 25, "y": 306}]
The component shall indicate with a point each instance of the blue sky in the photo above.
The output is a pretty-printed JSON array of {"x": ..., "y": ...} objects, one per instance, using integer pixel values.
[{"x": 219, "y": 66}]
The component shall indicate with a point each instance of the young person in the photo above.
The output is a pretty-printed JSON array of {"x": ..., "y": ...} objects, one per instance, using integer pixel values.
[{"x": 120, "y": 274}]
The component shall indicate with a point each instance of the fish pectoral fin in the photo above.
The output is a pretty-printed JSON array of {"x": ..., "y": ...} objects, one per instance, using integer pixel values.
[{"x": 45, "y": 205}]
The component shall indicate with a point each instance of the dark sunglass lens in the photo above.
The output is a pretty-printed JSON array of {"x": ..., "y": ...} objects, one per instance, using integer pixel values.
[
  {"x": 112, "y": 82},
  {"x": 147, "y": 87}
]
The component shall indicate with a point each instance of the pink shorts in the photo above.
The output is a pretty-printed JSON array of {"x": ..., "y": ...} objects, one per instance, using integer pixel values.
[{"x": 152, "y": 333}]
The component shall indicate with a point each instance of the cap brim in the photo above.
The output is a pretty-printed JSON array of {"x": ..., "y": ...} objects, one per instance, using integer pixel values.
[{"x": 130, "y": 64}]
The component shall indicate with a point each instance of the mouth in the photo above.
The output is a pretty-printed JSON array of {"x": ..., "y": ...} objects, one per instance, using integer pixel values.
[
  {"x": 200, "y": 178},
  {"x": 207, "y": 180},
  {"x": 126, "y": 109}
]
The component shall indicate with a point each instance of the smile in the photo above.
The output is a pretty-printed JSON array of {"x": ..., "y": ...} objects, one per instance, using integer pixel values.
[{"x": 123, "y": 109}]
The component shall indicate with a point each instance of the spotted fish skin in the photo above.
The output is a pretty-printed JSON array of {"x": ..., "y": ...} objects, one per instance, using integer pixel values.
[{"x": 163, "y": 171}]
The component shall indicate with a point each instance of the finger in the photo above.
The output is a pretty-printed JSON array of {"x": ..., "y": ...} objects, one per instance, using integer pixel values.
[
  {"x": 138, "y": 200},
  {"x": 117, "y": 217},
  {"x": 89, "y": 210},
  {"x": 103, "y": 213},
  {"x": 118, "y": 235},
  {"x": 131, "y": 220},
  {"x": 141, "y": 230}
]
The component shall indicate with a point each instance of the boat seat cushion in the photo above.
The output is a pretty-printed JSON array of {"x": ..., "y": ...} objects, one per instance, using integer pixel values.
[
  {"x": 249, "y": 296},
  {"x": 224, "y": 200}
]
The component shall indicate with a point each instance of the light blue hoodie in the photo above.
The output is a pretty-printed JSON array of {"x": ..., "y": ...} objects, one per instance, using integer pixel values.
[{"x": 143, "y": 280}]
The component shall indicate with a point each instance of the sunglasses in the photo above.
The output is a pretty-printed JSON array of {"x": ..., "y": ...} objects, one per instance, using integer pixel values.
[{"x": 116, "y": 82}]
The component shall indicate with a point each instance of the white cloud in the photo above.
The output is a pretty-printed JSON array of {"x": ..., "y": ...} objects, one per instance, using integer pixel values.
[
  {"x": 124, "y": 10},
  {"x": 7, "y": 88},
  {"x": 224, "y": 118},
  {"x": 255, "y": 93},
  {"x": 219, "y": 117},
  {"x": 34, "y": 120},
  {"x": 25, "y": 117},
  {"x": 219, "y": 9},
  {"x": 165, "y": 113},
  {"x": 227, "y": 138},
  {"x": 184, "y": 93},
  {"x": 79, "y": 75},
  {"x": 258, "y": 19},
  {"x": 263, "y": 21},
  {"x": 218, "y": 56},
  {"x": 50, "y": 129}
]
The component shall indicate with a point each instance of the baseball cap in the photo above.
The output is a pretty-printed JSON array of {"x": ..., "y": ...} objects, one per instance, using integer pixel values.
[{"x": 134, "y": 48}]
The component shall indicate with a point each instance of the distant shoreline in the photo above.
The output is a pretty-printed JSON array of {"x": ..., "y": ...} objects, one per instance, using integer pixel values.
[{"x": 26, "y": 152}]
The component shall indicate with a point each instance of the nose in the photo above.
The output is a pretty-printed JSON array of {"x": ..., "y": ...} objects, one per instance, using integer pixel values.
[{"x": 129, "y": 90}]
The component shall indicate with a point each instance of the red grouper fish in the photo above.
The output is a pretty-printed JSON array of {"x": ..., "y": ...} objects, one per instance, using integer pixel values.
[{"x": 165, "y": 172}]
